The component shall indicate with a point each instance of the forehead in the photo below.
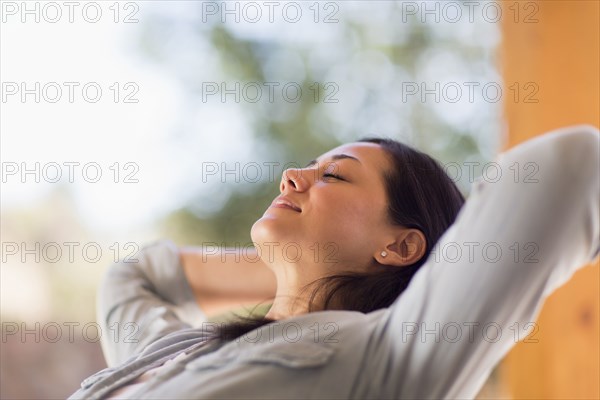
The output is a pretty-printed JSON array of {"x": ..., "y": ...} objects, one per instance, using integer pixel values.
[{"x": 371, "y": 155}]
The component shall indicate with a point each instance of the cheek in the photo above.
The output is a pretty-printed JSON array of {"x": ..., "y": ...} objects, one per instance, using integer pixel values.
[
  {"x": 347, "y": 221},
  {"x": 347, "y": 235}
]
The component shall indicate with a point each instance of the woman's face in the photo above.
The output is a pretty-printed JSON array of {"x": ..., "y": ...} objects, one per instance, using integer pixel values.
[{"x": 340, "y": 218}]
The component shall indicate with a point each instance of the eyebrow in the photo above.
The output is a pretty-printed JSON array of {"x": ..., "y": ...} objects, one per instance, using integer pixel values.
[{"x": 334, "y": 157}]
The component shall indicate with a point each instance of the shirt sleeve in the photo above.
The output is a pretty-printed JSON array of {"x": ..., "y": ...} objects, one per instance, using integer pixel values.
[
  {"x": 481, "y": 289},
  {"x": 143, "y": 299}
]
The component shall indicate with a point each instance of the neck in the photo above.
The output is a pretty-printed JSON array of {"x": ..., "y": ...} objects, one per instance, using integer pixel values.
[{"x": 289, "y": 299}]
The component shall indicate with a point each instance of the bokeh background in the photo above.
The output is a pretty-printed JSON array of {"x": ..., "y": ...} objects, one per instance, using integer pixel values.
[{"x": 125, "y": 122}]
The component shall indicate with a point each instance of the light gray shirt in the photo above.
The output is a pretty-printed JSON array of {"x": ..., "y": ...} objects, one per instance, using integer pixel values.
[{"x": 515, "y": 241}]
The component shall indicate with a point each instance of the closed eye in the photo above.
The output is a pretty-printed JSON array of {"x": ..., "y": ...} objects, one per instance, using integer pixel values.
[{"x": 333, "y": 176}]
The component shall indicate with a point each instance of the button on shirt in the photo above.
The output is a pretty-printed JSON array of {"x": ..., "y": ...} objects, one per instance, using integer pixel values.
[{"x": 434, "y": 341}]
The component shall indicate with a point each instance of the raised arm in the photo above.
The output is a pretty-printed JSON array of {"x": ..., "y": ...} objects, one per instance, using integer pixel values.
[
  {"x": 140, "y": 302},
  {"x": 514, "y": 242},
  {"x": 227, "y": 279},
  {"x": 172, "y": 288}
]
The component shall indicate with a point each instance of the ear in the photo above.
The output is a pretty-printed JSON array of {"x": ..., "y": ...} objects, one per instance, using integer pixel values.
[{"x": 408, "y": 248}]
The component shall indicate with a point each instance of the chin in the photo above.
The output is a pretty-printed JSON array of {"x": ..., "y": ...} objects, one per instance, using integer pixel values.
[
  {"x": 264, "y": 230},
  {"x": 269, "y": 229}
]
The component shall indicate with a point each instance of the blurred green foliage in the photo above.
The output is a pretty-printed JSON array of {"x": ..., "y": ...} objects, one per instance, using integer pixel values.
[{"x": 368, "y": 54}]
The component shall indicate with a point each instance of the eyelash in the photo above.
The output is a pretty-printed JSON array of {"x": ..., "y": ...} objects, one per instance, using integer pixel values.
[{"x": 334, "y": 176}]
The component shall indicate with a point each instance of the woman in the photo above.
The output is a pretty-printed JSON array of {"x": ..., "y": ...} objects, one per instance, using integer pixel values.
[{"x": 349, "y": 325}]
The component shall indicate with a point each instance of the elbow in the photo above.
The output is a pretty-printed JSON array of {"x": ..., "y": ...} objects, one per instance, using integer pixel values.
[
  {"x": 579, "y": 161},
  {"x": 579, "y": 148},
  {"x": 573, "y": 166},
  {"x": 565, "y": 160},
  {"x": 117, "y": 284},
  {"x": 566, "y": 182},
  {"x": 105, "y": 292}
]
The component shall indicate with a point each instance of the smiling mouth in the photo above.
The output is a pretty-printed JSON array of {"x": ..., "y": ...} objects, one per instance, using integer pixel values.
[
  {"x": 280, "y": 204},
  {"x": 284, "y": 206}
]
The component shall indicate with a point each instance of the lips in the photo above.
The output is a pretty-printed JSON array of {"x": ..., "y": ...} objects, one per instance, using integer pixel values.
[{"x": 284, "y": 201}]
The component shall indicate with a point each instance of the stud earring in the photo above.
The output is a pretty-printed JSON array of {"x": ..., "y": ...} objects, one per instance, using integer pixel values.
[{"x": 383, "y": 253}]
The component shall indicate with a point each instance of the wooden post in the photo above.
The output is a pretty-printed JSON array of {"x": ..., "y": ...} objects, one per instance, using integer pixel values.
[{"x": 550, "y": 64}]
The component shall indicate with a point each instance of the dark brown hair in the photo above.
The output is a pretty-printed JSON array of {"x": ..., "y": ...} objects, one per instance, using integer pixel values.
[{"x": 420, "y": 195}]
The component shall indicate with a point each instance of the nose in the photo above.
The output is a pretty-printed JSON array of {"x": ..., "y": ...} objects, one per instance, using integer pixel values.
[{"x": 293, "y": 178}]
